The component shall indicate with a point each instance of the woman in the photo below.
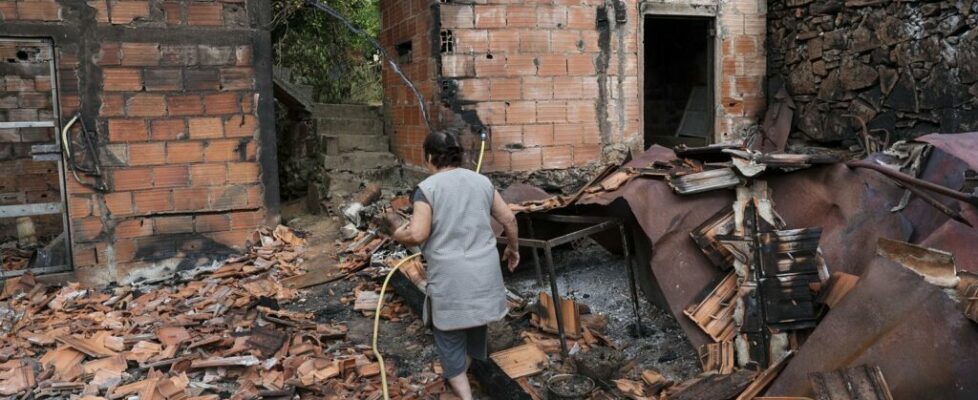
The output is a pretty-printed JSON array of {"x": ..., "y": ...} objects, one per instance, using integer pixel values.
[{"x": 451, "y": 220}]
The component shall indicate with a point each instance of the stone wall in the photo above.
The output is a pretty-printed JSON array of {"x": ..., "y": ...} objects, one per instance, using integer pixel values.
[
  {"x": 907, "y": 68},
  {"x": 179, "y": 96}
]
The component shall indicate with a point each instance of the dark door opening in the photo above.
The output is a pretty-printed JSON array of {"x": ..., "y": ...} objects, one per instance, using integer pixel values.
[{"x": 678, "y": 87}]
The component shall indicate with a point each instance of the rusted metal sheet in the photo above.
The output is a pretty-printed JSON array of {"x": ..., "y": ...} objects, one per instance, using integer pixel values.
[
  {"x": 707, "y": 236},
  {"x": 856, "y": 383},
  {"x": 912, "y": 330},
  {"x": 936, "y": 266},
  {"x": 964, "y": 146}
]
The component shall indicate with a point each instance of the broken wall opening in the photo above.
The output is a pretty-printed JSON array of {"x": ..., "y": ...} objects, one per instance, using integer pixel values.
[
  {"x": 678, "y": 85},
  {"x": 32, "y": 219}
]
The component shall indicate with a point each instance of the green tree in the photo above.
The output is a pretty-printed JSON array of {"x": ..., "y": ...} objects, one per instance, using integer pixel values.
[{"x": 341, "y": 66}]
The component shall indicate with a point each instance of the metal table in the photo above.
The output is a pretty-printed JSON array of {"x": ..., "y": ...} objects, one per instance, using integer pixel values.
[{"x": 593, "y": 225}]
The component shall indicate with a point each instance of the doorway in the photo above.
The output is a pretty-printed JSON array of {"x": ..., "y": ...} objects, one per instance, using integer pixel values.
[
  {"x": 34, "y": 234},
  {"x": 678, "y": 90}
]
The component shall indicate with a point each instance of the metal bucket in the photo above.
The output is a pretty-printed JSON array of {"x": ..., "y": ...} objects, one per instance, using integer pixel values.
[{"x": 569, "y": 387}]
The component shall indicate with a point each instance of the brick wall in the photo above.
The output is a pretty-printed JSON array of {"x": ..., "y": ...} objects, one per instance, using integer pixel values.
[
  {"x": 178, "y": 93},
  {"x": 556, "y": 83}
]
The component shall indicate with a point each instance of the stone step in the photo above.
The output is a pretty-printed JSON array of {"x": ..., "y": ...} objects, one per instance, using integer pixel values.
[
  {"x": 336, "y": 144},
  {"x": 346, "y": 126},
  {"x": 346, "y": 111},
  {"x": 360, "y": 161}
]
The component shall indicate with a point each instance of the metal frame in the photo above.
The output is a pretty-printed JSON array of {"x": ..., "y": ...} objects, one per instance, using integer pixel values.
[
  {"x": 595, "y": 225},
  {"x": 56, "y": 125}
]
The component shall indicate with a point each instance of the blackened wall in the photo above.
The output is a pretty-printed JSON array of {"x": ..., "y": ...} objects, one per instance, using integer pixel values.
[{"x": 907, "y": 68}]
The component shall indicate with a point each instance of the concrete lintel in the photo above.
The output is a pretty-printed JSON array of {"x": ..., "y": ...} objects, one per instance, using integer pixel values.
[{"x": 679, "y": 9}]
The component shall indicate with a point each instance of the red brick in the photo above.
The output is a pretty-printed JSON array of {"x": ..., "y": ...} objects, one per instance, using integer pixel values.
[
  {"x": 8, "y": 10},
  {"x": 538, "y": 135},
  {"x": 86, "y": 229},
  {"x": 237, "y": 78},
  {"x": 178, "y": 55},
  {"x": 454, "y": 65},
  {"x": 567, "y": 87},
  {"x": 454, "y": 16},
  {"x": 589, "y": 41},
  {"x": 222, "y": 150},
  {"x": 247, "y": 220},
  {"x": 202, "y": 128},
  {"x": 526, "y": 159},
  {"x": 205, "y": 14},
  {"x": 558, "y": 157},
  {"x": 490, "y": 16},
  {"x": 168, "y": 129},
  {"x": 241, "y": 126},
  {"x": 221, "y": 103},
  {"x": 535, "y": 41},
  {"x": 551, "y": 111},
  {"x": 119, "y": 203},
  {"x": 41, "y": 10},
  {"x": 520, "y": 65},
  {"x": 140, "y": 54},
  {"x": 170, "y": 176},
  {"x": 216, "y": 55},
  {"x": 564, "y": 41},
  {"x": 79, "y": 206},
  {"x": 248, "y": 103},
  {"x": 173, "y": 225},
  {"x": 184, "y": 152},
  {"x": 184, "y": 105},
  {"x": 109, "y": 54},
  {"x": 581, "y": 17},
  {"x": 174, "y": 12},
  {"x": 581, "y": 111},
  {"x": 587, "y": 154},
  {"x": 124, "y": 12},
  {"x": 537, "y": 88},
  {"x": 147, "y": 153},
  {"x": 504, "y": 135},
  {"x": 82, "y": 256},
  {"x": 122, "y": 79},
  {"x": 133, "y": 228},
  {"x": 521, "y": 112},
  {"x": 190, "y": 199},
  {"x": 146, "y": 105},
  {"x": 551, "y": 17},
  {"x": 242, "y": 56},
  {"x": 488, "y": 67},
  {"x": 471, "y": 41},
  {"x": 127, "y": 130},
  {"x": 253, "y": 195},
  {"x": 552, "y": 65},
  {"x": 504, "y": 41},
  {"x": 162, "y": 79},
  {"x": 113, "y": 105},
  {"x": 132, "y": 179},
  {"x": 203, "y": 79},
  {"x": 474, "y": 89},
  {"x": 521, "y": 17},
  {"x": 568, "y": 134},
  {"x": 212, "y": 223},
  {"x": 232, "y": 239},
  {"x": 243, "y": 172},
  {"x": 504, "y": 89},
  {"x": 580, "y": 64},
  {"x": 153, "y": 201},
  {"x": 496, "y": 161},
  {"x": 224, "y": 197},
  {"x": 490, "y": 112},
  {"x": 208, "y": 174}
]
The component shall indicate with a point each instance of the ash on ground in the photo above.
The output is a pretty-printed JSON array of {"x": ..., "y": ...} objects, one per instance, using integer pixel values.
[{"x": 591, "y": 275}]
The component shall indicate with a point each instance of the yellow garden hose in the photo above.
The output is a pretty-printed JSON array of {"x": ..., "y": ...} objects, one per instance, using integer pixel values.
[
  {"x": 380, "y": 306},
  {"x": 482, "y": 152}
]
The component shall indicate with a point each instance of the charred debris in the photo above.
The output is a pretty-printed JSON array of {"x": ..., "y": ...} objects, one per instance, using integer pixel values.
[{"x": 795, "y": 276}]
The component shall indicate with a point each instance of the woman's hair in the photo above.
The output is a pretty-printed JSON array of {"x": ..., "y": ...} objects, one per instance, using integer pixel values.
[{"x": 443, "y": 149}]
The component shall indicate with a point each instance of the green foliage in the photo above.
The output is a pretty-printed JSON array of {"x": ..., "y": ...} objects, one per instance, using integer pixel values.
[{"x": 341, "y": 66}]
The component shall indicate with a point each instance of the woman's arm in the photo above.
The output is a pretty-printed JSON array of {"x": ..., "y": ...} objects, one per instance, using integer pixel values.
[
  {"x": 502, "y": 214},
  {"x": 418, "y": 229}
]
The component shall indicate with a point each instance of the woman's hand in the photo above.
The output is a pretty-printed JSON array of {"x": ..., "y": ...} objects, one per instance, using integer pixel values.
[{"x": 512, "y": 257}]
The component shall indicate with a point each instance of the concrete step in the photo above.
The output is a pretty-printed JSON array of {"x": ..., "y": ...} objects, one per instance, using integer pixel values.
[
  {"x": 359, "y": 161},
  {"x": 337, "y": 144},
  {"x": 346, "y": 126},
  {"x": 346, "y": 111}
]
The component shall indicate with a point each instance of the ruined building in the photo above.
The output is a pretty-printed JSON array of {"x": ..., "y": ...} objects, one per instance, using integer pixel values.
[{"x": 172, "y": 155}]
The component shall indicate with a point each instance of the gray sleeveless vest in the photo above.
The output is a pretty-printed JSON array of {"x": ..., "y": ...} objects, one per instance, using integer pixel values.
[{"x": 465, "y": 282}]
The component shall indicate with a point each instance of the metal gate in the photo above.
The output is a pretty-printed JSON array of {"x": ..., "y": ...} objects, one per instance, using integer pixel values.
[{"x": 34, "y": 230}]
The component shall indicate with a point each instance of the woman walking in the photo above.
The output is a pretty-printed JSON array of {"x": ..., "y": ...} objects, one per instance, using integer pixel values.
[{"x": 451, "y": 221}]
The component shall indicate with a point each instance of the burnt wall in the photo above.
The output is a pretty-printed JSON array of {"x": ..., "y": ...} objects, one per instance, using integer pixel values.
[
  {"x": 905, "y": 68},
  {"x": 178, "y": 95}
]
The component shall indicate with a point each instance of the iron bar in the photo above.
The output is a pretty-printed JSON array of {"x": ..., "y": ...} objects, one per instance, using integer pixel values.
[
  {"x": 548, "y": 254},
  {"x": 909, "y": 180}
]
